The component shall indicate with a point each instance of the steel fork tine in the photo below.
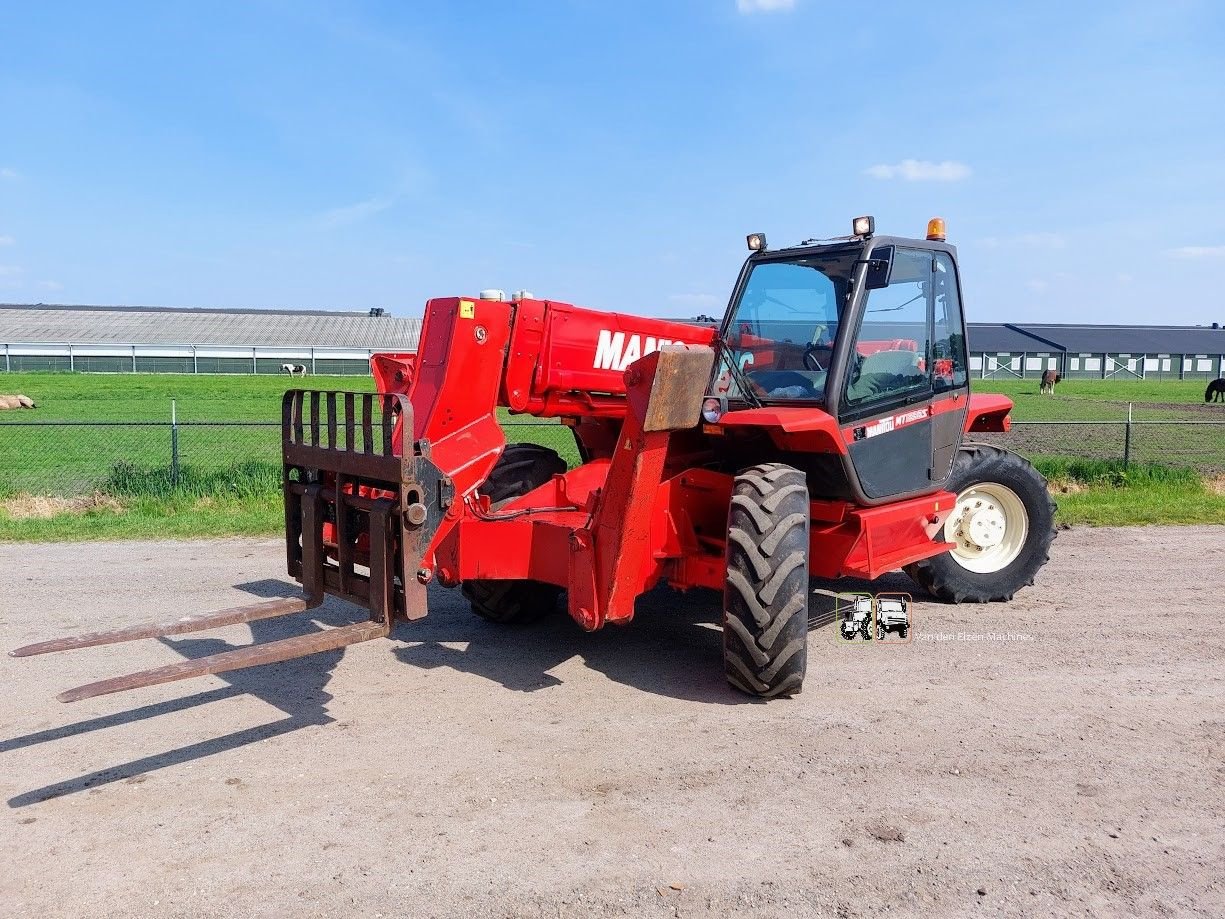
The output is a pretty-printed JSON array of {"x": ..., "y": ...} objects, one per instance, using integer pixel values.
[
  {"x": 252, "y": 656},
  {"x": 193, "y": 623}
]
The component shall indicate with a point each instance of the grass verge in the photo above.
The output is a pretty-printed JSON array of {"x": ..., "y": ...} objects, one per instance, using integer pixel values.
[
  {"x": 1103, "y": 493},
  {"x": 246, "y": 501},
  {"x": 177, "y": 517}
]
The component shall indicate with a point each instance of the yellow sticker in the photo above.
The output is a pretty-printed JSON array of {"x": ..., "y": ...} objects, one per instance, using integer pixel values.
[{"x": 467, "y": 309}]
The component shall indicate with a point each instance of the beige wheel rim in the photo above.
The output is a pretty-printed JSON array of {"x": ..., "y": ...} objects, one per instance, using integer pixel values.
[{"x": 988, "y": 527}]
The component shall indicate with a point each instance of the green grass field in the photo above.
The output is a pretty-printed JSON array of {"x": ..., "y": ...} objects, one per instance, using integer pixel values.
[
  {"x": 1106, "y": 400},
  {"x": 147, "y": 396},
  {"x": 120, "y": 442},
  {"x": 228, "y": 475}
]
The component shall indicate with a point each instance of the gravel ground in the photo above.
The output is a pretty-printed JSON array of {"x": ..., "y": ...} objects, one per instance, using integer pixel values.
[{"x": 1062, "y": 754}]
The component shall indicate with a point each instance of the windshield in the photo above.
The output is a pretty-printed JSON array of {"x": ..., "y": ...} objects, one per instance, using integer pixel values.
[{"x": 782, "y": 330}]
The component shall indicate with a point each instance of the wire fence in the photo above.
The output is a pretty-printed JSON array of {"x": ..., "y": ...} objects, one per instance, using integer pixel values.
[
  {"x": 134, "y": 459},
  {"x": 1197, "y": 445},
  {"x": 128, "y": 459}
]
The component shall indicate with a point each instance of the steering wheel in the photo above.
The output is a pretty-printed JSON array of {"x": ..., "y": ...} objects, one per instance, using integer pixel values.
[{"x": 810, "y": 360}]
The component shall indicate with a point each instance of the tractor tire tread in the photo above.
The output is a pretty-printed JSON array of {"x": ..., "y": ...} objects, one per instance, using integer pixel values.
[
  {"x": 765, "y": 620},
  {"x": 944, "y": 578}
]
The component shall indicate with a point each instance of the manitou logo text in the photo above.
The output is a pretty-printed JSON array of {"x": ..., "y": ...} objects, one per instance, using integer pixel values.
[
  {"x": 885, "y": 425},
  {"x": 616, "y": 350}
]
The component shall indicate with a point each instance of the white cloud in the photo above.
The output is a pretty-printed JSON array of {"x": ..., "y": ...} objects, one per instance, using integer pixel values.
[
  {"x": 764, "y": 6},
  {"x": 7, "y": 241},
  {"x": 6, "y": 173},
  {"x": 1124, "y": 278},
  {"x": 50, "y": 285},
  {"x": 9, "y": 271},
  {"x": 920, "y": 171},
  {"x": 1197, "y": 252},
  {"x": 354, "y": 213},
  {"x": 1037, "y": 285}
]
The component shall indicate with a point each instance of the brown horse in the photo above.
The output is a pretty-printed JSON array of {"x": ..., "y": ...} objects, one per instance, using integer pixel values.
[{"x": 1049, "y": 379}]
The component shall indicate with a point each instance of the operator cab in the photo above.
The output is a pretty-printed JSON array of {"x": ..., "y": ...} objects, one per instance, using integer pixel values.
[{"x": 867, "y": 329}]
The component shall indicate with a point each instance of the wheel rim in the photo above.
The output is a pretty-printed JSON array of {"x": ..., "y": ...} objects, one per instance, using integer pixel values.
[{"x": 988, "y": 527}]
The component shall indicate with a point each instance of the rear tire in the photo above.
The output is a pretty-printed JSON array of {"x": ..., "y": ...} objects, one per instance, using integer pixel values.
[
  {"x": 765, "y": 598},
  {"x": 1015, "y": 522},
  {"x": 520, "y": 469}
]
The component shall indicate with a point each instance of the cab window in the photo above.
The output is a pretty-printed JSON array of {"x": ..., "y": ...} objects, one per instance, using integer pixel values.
[
  {"x": 890, "y": 358},
  {"x": 949, "y": 370},
  {"x": 781, "y": 333}
]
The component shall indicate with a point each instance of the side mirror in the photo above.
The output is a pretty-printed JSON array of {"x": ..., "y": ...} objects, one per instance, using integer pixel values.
[{"x": 880, "y": 266}]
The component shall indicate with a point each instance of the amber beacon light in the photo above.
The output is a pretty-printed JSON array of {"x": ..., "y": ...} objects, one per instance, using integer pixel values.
[{"x": 935, "y": 229}]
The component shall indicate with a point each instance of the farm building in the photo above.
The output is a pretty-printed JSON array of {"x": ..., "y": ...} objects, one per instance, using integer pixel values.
[
  {"x": 1096, "y": 352},
  {"x": 171, "y": 340},
  {"x": 166, "y": 340}
]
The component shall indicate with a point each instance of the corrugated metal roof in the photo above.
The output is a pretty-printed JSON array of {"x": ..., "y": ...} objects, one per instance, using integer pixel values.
[
  {"x": 172, "y": 326},
  {"x": 991, "y": 337},
  {"x": 1114, "y": 339},
  {"x": 1130, "y": 339}
]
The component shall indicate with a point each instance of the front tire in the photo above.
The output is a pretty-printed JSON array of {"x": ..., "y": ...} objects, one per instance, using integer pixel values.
[
  {"x": 765, "y": 597},
  {"x": 1002, "y": 527},
  {"x": 521, "y": 468}
]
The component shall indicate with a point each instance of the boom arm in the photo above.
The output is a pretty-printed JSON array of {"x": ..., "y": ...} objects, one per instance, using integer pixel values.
[{"x": 555, "y": 359}]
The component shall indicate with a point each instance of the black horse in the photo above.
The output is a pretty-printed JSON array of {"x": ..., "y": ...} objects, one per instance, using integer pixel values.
[{"x": 1215, "y": 391}]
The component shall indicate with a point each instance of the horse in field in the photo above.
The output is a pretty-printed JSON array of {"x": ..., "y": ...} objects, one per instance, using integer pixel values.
[
  {"x": 1215, "y": 391},
  {"x": 294, "y": 370},
  {"x": 17, "y": 401},
  {"x": 1049, "y": 379}
]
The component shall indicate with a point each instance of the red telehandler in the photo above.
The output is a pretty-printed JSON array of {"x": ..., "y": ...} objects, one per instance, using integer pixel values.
[{"x": 822, "y": 430}]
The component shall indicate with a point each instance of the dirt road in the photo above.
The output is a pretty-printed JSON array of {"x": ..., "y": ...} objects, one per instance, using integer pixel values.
[{"x": 1063, "y": 754}]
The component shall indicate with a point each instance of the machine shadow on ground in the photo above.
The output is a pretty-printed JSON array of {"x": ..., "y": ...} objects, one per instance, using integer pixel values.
[
  {"x": 672, "y": 648},
  {"x": 295, "y": 687}
]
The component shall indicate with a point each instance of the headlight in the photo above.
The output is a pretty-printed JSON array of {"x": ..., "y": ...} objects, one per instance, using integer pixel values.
[{"x": 713, "y": 409}]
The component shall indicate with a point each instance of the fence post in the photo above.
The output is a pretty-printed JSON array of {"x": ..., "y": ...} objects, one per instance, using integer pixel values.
[
  {"x": 174, "y": 445},
  {"x": 1127, "y": 439}
]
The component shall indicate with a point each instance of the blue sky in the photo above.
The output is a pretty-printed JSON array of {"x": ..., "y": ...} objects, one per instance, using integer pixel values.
[{"x": 350, "y": 155}]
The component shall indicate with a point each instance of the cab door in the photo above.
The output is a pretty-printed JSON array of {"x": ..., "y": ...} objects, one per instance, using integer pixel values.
[
  {"x": 950, "y": 367},
  {"x": 904, "y": 395}
]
